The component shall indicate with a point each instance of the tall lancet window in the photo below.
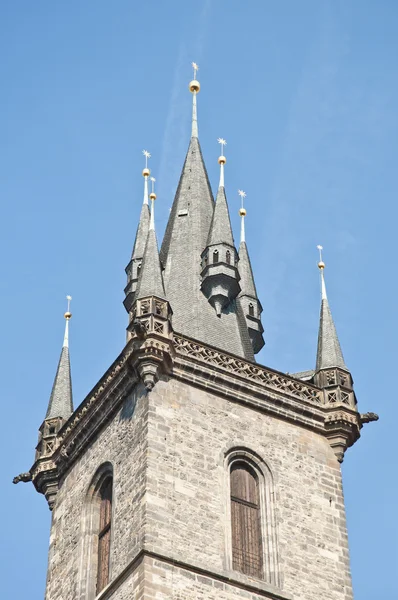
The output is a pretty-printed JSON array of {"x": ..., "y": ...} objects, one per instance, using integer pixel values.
[
  {"x": 251, "y": 309},
  {"x": 104, "y": 535},
  {"x": 215, "y": 256},
  {"x": 228, "y": 257},
  {"x": 245, "y": 518}
]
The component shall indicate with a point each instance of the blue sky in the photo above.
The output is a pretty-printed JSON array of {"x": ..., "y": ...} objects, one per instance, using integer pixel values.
[{"x": 306, "y": 94}]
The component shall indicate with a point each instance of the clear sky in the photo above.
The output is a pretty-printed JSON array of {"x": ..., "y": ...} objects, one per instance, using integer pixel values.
[{"x": 306, "y": 95}]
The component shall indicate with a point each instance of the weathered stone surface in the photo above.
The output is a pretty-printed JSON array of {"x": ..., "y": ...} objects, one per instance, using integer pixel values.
[{"x": 171, "y": 498}]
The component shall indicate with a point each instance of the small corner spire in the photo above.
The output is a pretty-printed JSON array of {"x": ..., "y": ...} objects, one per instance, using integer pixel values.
[
  {"x": 329, "y": 352},
  {"x": 68, "y": 316},
  {"x": 61, "y": 404},
  {"x": 194, "y": 88},
  {"x": 152, "y": 196},
  {"x": 222, "y": 160},
  {"x": 242, "y": 214},
  {"x": 145, "y": 173}
]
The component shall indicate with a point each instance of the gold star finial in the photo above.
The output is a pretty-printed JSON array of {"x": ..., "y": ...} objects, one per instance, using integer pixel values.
[
  {"x": 222, "y": 160},
  {"x": 242, "y": 214},
  {"x": 68, "y": 314},
  {"x": 146, "y": 171},
  {"x": 321, "y": 264},
  {"x": 242, "y": 195}
]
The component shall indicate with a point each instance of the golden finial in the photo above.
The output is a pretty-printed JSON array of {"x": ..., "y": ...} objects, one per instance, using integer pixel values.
[
  {"x": 146, "y": 172},
  {"x": 68, "y": 314},
  {"x": 194, "y": 85},
  {"x": 242, "y": 214},
  {"x": 152, "y": 195},
  {"x": 221, "y": 159},
  {"x": 321, "y": 264}
]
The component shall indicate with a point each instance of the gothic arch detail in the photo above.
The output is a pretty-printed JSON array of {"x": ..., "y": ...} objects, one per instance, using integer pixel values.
[
  {"x": 251, "y": 536},
  {"x": 95, "y": 557}
]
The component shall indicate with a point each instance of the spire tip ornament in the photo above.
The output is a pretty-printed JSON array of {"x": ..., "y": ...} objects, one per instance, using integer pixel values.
[
  {"x": 242, "y": 214},
  {"x": 194, "y": 88},
  {"x": 68, "y": 314},
  {"x": 152, "y": 196},
  {"x": 321, "y": 267},
  {"x": 194, "y": 85},
  {"x": 222, "y": 160},
  {"x": 146, "y": 171},
  {"x": 321, "y": 264}
]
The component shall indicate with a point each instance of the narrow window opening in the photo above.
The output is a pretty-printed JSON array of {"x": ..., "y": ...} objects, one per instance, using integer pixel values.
[
  {"x": 245, "y": 516},
  {"x": 251, "y": 309},
  {"x": 215, "y": 257},
  {"x": 228, "y": 257},
  {"x": 139, "y": 269},
  {"x": 104, "y": 535}
]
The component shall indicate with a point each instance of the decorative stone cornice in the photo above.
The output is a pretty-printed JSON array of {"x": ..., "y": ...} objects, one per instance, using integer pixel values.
[
  {"x": 330, "y": 412},
  {"x": 252, "y": 372},
  {"x": 153, "y": 352}
]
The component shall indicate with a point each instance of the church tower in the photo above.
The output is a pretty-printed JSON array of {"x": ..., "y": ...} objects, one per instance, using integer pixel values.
[{"x": 190, "y": 471}]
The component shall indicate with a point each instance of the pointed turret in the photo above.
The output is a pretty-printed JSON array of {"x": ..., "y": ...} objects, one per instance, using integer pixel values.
[
  {"x": 248, "y": 299},
  {"x": 220, "y": 276},
  {"x": 329, "y": 352},
  {"x": 134, "y": 266},
  {"x": 150, "y": 326},
  {"x": 331, "y": 371},
  {"x": 60, "y": 406},
  {"x": 150, "y": 282}
]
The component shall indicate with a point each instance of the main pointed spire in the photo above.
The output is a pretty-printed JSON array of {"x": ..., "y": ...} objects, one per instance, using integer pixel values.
[
  {"x": 194, "y": 87},
  {"x": 329, "y": 352},
  {"x": 183, "y": 246},
  {"x": 61, "y": 404}
]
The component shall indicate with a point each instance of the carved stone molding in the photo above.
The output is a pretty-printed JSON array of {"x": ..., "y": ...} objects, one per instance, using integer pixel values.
[
  {"x": 250, "y": 371},
  {"x": 342, "y": 430}
]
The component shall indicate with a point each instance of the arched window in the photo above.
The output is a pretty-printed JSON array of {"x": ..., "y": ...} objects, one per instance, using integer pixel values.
[
  {"x": 245, "y": 520},
  {"x": 251, "y": 534},
  {"x": 96, "y": 539},
  {"x": 228, "y": 257},
  {"x": 104, "y": 534},
  {"x": 251, "y": 309},
  {"x": 139, "y": 269},
  {"x": 215, "y": 257}
]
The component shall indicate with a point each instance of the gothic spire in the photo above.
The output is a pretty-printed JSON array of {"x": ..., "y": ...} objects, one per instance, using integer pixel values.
[
  {"x": 142, "y": 229},
  {"x": 183, "y": 245},
  {"x": 134, "y": 266},
  {"x": 247, "y": 285},
  {"x": 329, "y": 352},
  {"x": 220, "y": 228},
  {"x": 150, "y": 282},
  {"x": 248, "y": 299},
  {"x": 60, "y": 403}
]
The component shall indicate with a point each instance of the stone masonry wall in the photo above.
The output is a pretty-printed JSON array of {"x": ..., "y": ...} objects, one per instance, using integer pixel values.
[
  {"x": 189, "y": 433},
  {"x": 171, "y": 499},
  {"x": 123, "y": 444}
]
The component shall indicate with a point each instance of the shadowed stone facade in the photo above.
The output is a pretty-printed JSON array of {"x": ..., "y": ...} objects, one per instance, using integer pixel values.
[
  {"x": 168, "y": 449},
  {"x": 183, "y": 409}
]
